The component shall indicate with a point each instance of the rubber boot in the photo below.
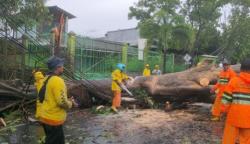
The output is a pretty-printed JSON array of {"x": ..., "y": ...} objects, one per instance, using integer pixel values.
[{"x": 114, "y": 109}]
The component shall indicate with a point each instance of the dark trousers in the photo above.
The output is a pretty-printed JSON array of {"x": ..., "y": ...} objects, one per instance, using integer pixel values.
[{"x": 54, "y": 134}]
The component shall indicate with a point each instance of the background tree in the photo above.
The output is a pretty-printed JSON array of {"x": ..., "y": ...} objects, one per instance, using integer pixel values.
[
  {"x": 204, "y": 16},
  {"x": 236, "y": 34},
  {"x": 159, "y": 20},
  {"x": 22, "y": 13}
]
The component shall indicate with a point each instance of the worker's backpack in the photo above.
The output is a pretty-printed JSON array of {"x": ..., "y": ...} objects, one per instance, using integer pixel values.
[{"x": 41, "y": 93}]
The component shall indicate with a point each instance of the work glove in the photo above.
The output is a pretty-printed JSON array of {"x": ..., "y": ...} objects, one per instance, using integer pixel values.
[
  {"x": 75, "y": 104},
  {"x": 212, "y": 90}
]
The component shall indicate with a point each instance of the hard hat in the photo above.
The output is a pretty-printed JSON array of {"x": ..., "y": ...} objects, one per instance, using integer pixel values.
[
  {"x": 156, "y": 66},
  {"x": 121, "y": 66},
  {"x": 55, "y": 62},
  {"x": 147, "y": 65}
]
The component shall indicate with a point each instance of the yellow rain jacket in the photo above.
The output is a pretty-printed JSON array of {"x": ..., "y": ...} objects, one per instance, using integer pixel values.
[
  {"x": 146, "y": 72},
  {"x": 55, "y": 104},
  {"x": 118, "y": 76},
  {"x": 39, "y": 78}
]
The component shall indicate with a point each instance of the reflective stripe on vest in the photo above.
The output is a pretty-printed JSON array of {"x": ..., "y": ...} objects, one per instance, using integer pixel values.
[
  {"x": 241, "y": 98},
  {"x": 223, "y": 81},
  {"x": 227, "y": 98}
]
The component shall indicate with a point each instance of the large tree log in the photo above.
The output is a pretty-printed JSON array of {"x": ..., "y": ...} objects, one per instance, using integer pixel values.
[
  {"x": 190, "y": 85},
  {"x": 170, "y": 84},
  {"x": 79, "y": 92}
]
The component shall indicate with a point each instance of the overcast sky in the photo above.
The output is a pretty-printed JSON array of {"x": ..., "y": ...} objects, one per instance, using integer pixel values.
[{"x": 95, "y": 17}]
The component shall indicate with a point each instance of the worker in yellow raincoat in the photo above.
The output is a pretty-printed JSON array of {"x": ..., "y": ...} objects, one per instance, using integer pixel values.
[
  {"x": 146, "y": 71},
  {"x": 157, "y": 70},
  {"x": 54, "y": 102},
  {"x": 118, "y": 78},
  {"x": 39, "y": 78}
]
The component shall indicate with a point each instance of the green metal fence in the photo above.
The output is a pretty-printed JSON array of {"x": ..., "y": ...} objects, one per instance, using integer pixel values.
[
  {"x": 88, "y": 58},
  {"x": 96, "y": 59},
  {"x": 36, "y": 56}
]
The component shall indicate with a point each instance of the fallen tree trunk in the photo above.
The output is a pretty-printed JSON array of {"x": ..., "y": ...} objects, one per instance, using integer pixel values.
[
  {"x": 190, "y": 85},
  {"x": 173, "y": 83},
  {"x": 80, "y": 93},
  {"x": 85, "y": 90}
]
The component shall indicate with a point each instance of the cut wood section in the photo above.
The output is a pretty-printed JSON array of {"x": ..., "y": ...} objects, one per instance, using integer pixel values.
[{"x": 204, "y": 82}]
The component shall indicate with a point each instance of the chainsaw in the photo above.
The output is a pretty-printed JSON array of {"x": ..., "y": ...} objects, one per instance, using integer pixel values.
[{"x": 126, "y": 89}]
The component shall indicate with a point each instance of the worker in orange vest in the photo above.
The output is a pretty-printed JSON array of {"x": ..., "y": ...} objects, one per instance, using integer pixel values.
[
  {"x": 237, "y": 97},
  {"x": 225, "y": 75}
]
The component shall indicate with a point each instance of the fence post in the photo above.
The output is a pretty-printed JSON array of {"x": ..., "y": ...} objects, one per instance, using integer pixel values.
[
  {"x": 173, "y": 62},
  {"x": 25, "y": 43},
  {"x": 125, "y": 54},
  {"x": 71, "y": 44},
  {"x": 5, "y": 60},
  {"x": 145, "y": 52},
  {"x": 53, "y": 38}
]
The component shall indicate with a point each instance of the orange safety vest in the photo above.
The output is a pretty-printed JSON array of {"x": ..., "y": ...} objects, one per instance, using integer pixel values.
[
  {"x": 224, "y": 78},
  {"x": 237, "y": 95}
]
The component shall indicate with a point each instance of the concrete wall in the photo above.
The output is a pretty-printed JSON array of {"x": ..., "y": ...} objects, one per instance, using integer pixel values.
[{"x": 130, "y": 36}]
